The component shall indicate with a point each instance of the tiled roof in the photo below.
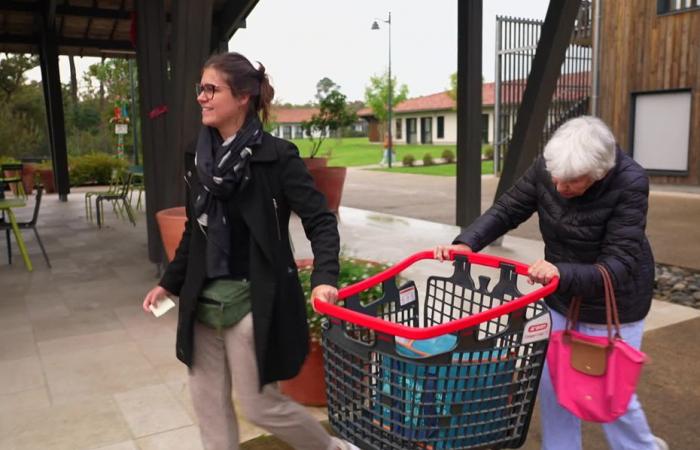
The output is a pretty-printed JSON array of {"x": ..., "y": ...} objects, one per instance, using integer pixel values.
[
  {"x": 292, "y": 115},
  {"x": 509, "y": 90}
]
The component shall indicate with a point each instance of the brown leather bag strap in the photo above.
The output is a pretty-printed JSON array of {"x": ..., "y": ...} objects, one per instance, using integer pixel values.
[
  {"x": 572, "y": 314},
  {"x": 611, "y": 314}
]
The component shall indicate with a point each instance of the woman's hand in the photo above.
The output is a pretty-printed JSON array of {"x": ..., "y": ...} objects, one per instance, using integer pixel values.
[
  {"x": 542, "y": 272},
  {"x": 153, "y": 297},
  {"x": 442, "y": 252},
  {"x": 324, "y": 292}
]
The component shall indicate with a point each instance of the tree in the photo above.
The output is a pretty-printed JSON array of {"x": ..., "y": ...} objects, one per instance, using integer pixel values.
[
  {"x": 333, "y": 115},
  {"x": 12, "y": 69},
  {"x": 377, "y": 95},
  {"x": 324, "y": 87},
  {"x": 452, "y": 92}
]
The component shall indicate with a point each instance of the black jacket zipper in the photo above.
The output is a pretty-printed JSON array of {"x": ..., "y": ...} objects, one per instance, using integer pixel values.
[{"x": 277, "y": 219}]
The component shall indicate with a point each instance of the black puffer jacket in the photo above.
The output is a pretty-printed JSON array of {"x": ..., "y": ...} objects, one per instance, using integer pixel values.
[{"x": 605, "y": 225}]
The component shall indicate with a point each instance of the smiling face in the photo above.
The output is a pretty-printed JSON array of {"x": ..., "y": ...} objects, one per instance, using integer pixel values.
[
  {"x": 221, "y": 109},
  {"x": 574, "y": 187}
]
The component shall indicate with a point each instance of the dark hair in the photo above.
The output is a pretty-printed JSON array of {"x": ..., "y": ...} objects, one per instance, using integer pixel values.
[{"x": 244, "y": 79}]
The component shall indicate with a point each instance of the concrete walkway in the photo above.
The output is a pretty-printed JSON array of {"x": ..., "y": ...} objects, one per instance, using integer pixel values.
[
  {"x": 674, "y": 212},
  {"x": 82, "y": 367}
]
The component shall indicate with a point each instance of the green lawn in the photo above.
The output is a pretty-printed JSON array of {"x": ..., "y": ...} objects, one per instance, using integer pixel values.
[
  {"x": 360, "y": 152},
  {"x": 443, "y": 170}
]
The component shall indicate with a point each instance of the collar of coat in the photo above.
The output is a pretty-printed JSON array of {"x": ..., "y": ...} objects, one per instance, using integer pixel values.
[{"x": 265, "y": 152}]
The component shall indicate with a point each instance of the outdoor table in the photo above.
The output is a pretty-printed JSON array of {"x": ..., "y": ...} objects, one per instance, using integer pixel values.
[{"x": 6, "y": 206}]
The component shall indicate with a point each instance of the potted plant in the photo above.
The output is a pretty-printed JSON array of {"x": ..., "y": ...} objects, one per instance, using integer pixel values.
[
  {"x": 309, "y": 386},
  {"x": 333, "y": 115},
  {"x": 45, "y": 171}
]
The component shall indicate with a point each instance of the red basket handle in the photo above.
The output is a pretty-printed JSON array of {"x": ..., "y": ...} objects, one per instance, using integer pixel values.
[{"x": 404, "y": 331}]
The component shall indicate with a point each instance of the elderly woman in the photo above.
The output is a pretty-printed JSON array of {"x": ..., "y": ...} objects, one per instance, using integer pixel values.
[
  {"x": 242, "y": 320},
  {"x": 591, "y": 200}
]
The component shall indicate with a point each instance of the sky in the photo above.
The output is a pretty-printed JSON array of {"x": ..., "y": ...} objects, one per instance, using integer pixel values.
[{"x": 303, "y": 41}]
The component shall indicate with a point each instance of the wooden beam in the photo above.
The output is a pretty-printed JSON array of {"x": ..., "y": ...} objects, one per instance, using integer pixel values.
[
  {"x": 469, "y": 35},
  {"x": 50, "y": 13},
  {"x": 541, "y": 82},
  {"x": 153, "y": 83},
  {"x": 35, "y": 39},
  {"x": 66, "y": 10},
  {"x": 53, "y": 98},
  {"x": 232, "y": 16}
]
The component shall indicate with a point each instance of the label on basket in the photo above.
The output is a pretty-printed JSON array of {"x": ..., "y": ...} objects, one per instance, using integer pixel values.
[
  {"x": 407, "y": 295},
  {"x": 537, "y": 329}
]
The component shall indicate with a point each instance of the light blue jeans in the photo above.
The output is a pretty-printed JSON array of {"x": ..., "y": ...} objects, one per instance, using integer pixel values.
[{"x": 562, "y": 430}]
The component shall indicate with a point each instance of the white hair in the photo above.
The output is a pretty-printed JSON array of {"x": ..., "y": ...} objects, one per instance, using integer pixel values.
[{"x": 582, "y": 146}]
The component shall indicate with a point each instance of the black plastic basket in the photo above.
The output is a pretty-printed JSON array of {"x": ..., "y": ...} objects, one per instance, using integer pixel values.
[{"x": 476, "y": 387}]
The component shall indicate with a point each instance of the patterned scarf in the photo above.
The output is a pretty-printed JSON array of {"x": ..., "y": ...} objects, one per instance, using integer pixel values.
[{"x": 223, "y": 170}]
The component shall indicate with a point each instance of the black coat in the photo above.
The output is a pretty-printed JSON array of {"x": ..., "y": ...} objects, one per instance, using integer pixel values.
[
  {"x": 280, "y": 183},
  {"x": 605, "y": 225}
]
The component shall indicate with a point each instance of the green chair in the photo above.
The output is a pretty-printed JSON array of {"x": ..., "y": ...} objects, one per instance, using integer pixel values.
[
  {"x": 114, "y": 183},
  {"x": 15, "y": 180},
  {"x": 121, "y": 195}
]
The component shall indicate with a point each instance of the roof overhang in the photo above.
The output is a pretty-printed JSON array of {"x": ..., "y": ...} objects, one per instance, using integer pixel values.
[{"x": 101, "y": 28}]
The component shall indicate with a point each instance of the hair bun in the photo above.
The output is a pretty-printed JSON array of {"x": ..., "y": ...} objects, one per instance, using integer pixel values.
[{"x": 261, "y": 71}]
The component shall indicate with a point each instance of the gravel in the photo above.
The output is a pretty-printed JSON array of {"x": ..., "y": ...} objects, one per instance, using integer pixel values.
[{"x": 677, "y": 285}]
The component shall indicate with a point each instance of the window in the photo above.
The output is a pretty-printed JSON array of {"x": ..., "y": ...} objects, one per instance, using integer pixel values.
[
  {"x": 672, "y": 6},
  {"x": 426, "y": 128},
  {"x": 287, "y": 132},
  {"x": 485, "y": 128},
  {"x": 397, "y": 134},
  {"x": 299, "y": 132},
  {"x": 661, "y": 131},
  {"x": 441, "y": 127}
]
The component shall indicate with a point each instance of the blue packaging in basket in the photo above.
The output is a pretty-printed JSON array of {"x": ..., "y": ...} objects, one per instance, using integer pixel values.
[{"x": 469, "y": 395}]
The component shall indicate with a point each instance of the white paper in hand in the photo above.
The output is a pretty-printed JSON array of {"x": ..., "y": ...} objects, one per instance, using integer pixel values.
[{"x": 162, "y": 307}]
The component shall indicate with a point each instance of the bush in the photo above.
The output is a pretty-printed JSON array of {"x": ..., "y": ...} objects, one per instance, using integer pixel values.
[
  {"x": 448, "y": 156},
  {"x": 95, "y": 168},
  {"x": 487, "y": 151},
  {"x": 408, "y": 160},
  {"x": 351, "y": 271},
  {"x": 428, "y": 159}
]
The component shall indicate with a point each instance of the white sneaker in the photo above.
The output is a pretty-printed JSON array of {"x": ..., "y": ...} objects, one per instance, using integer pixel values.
[{"x": 660, "y": 443}]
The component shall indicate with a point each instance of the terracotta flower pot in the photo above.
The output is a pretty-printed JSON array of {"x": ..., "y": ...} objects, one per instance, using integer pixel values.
[
  {"x": 314, "y": 163},
  {"x": 47, "y": 180},
  {"x": 309, "y": 386},
  {"x": 171, "y": 223},
  {"x": 330, "y": 181}
]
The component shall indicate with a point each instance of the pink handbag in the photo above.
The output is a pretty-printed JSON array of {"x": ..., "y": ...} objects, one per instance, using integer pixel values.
[{"x": 594, "y": 377}]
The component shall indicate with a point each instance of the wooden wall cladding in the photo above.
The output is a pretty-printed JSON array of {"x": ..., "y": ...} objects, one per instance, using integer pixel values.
[{"x": 643, "y": 51}]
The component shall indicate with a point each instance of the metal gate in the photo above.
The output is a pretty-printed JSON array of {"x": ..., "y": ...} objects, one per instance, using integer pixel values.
[{"x": 516, "y": 44}]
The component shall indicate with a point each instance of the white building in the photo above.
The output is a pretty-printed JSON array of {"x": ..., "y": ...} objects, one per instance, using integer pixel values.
[{"x": 431, "y": 119}]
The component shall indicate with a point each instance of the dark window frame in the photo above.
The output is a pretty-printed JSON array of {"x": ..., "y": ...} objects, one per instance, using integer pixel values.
[
  {"x": 667, "y": 7},
  {"x": 398, "y": 132},
  {"x": 440, "y": 125}
]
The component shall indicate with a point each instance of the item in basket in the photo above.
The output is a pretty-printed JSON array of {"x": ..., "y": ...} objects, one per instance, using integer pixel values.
[{"x": 425, "y": 348}]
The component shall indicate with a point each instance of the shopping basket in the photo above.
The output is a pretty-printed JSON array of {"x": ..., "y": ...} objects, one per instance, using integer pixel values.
[{"x": 458, "y": 369}]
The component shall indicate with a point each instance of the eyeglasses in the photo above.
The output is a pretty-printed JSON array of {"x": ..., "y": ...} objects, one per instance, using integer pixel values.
[{"x": 208, "y": 90}]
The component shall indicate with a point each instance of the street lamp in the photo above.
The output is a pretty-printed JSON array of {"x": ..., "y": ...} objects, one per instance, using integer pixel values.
[{"x": 375, "y": 26}]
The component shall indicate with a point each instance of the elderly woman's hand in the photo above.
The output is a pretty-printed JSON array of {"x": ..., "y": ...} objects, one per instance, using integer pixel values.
[
  {"x": 324, "y": 292},
  {"x": 154, "y": 296},
  {"x": 542, "y": 272},
  {"x": 442, "y": 252}
]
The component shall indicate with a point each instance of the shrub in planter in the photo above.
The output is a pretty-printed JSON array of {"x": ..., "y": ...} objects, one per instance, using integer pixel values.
[
  {"x": 448, "y": 156},
  {"x": 352, "y": 270},
  {"x": 428, "y": 159},
  {"x": 95, "y": 168},
  {"x": 309, "y": 386},
  {"x": 487, "y": 151},
  {"x": 408, "y": 160}
]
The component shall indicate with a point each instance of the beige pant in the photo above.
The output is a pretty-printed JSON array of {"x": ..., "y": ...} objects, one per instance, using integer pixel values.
[{"x": 219, "y": 360}]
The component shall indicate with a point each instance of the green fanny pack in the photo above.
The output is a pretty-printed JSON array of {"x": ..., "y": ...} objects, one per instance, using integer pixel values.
[{"x": 223, "y": 303}]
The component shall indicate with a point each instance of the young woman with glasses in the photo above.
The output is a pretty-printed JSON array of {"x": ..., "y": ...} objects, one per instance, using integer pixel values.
[{"x": 242, "y": 317}]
